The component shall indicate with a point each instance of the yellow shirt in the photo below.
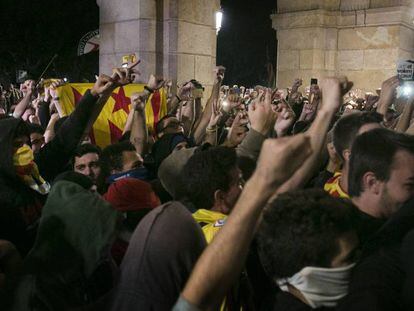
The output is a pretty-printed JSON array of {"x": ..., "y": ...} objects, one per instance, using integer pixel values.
[
  {"x": 211, "y": 222},
  {"x": 333, "y": 187}
]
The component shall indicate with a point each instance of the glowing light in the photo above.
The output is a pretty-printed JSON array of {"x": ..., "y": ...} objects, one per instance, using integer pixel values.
[
  {"x": 65, "y": 79},
  {"x": 407, "y": 90},
  {"x": 219, "y": 19}
]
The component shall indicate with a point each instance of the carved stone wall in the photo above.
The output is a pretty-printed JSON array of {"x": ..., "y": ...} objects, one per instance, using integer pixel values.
[
  {"x": 360, "y": 39},
  {"x": 174, "y": 38}
]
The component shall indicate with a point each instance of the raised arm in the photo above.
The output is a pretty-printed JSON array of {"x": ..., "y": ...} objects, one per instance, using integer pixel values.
[
  {"x": 28, "y": 88},
  {"x": 54, "y": 156},
  {"x": 332, "y": 92},
  {"x": 50, "y": 129},
  {"x": 139, "y": 131},
  {"x": 183, "y": 94},
  {"x": 262, "y": 118},
  {"x": 388, "y": 90},
  {"x": 200, "y": 127},
  {"x": 404, "y": 121},
  {"x": 211, "y": 278},
  {"x": 294, "y": 93}
]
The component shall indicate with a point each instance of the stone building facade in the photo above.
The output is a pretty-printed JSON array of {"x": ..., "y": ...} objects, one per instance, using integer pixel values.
[
  {"x": 175, "y": 39},
  {"x": 362, "y": 39}
]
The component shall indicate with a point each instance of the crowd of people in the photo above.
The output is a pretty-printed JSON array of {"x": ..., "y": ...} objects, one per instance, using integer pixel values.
[{"x": 261, "y": 199}]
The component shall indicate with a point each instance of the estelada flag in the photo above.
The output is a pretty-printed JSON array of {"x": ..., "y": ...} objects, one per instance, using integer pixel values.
[{"x": 111, "y": 121}]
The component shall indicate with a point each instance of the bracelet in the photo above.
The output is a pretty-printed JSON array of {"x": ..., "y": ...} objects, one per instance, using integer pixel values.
[
  {"x": 179, "y": 99},
  {"x": 56, "y": 98},
  {"x": 148, "y": 89},
  {"x": 211, "y": 130}
]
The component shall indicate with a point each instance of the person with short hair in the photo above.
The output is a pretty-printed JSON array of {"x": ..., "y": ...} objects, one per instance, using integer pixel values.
[
  {"x": 169, "y": 124},
  {"x": 381, "y": 185},
  {"x": 37, "y": 138},
  {"x": 212, "y": 183},
  {"x": 344, "y": 134},
  {"x": 86, "y": 160},
  {"x": 121, "y": 160},
  {"x": 307, "y": 245}
]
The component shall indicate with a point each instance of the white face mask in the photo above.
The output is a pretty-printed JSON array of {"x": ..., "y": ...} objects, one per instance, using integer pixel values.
[{"x": 321, "y": 287}]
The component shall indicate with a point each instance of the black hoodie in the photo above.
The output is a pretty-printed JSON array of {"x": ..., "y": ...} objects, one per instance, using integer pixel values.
[{"x": 20, "y": 206}]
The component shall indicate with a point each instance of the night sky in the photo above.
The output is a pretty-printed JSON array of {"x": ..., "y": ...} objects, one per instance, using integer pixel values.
[
  {"x": 246, "y": 42},
  {"x": 32, "y": 32}
]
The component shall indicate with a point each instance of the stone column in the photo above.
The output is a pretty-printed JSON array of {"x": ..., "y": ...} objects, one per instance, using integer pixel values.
[
  {"x": 358, "y": 38},
  {"x": 127, "y": 26},
  {"x": 174, "y": 38}
]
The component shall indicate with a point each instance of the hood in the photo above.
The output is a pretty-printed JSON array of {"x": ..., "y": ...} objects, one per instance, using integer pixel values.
[
  {"x": 8, "y": 129},
  {"x": 165, "y": 146},
  {"x": 77, "y": 227}
]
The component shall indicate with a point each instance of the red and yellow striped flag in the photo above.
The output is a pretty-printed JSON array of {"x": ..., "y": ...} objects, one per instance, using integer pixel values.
[{"x": 111, "y": 121}]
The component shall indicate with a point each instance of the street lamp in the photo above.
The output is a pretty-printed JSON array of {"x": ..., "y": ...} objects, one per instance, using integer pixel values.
[{"x": 219, "y": 19}]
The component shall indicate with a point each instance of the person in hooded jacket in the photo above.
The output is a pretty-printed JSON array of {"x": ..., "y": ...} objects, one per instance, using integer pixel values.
[
  {"x": 24, "y": 176},
  {"x": 70, "y": 266}
]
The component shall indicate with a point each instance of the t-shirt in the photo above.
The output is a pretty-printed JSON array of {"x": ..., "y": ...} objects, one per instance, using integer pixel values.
[{"x": 333, "y": 187}]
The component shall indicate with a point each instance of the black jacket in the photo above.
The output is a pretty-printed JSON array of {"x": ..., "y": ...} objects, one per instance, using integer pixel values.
[
  {"x": 20, "y": 206},
  {"x": 377, "y": 280}
]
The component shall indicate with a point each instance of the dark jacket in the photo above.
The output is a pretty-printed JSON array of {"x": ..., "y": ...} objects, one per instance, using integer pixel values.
[
  {"x": 20, "y": 206},
  {"x": 287, "y": 302},
  {"x": 69, "y": 265},
  {"x": 408, "y": 265},
  {"x": 377, "y": 280}
]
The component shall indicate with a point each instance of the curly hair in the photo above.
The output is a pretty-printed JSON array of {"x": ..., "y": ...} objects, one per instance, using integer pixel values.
[{"x": 301, "y": 229}]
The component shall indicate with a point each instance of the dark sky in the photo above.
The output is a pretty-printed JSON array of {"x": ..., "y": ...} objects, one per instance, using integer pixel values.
[
  {"x": 246, "y": 42},
  {"x": 31, "y": 32}
]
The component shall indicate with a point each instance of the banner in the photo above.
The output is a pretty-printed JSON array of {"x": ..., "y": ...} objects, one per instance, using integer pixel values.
[{"x": 111, "y": 121}]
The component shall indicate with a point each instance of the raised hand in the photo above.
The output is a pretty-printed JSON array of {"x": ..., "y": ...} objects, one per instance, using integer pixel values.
[
  {"x": 235, "y": 101},
  {"x": 34, "y": 119},
  {"x": 333, "y": 89},
  {"x": 261, "y": 115},
  {"x": 315, "y": 92},
  {"x": 388, "y": 93},
  {"x": 370, "y": 102},
  {"x": 238, "y": 130},
  {"x": 296, "y": 84},
  {"x": 185, "y": 92},
  {"x": 280, "y": 158},
  {"x": 219, "y": 71},
  {"x": 155, "y": 83},
  {"x": 285, "y": 119},
  {"x": 124, "y": 76},
  {"x": 28, "y": 87},
  {"x": 102, "y": 85},
  {"x": 216, "y": 114},
  {"x": 138, "y": 101}
]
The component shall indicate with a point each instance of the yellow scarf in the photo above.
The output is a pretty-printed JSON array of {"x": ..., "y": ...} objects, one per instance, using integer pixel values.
[
  {"x": 333, "y": 187},
  {"x": 27, "y": 170},
  {"x": 211, "y": 222}
]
